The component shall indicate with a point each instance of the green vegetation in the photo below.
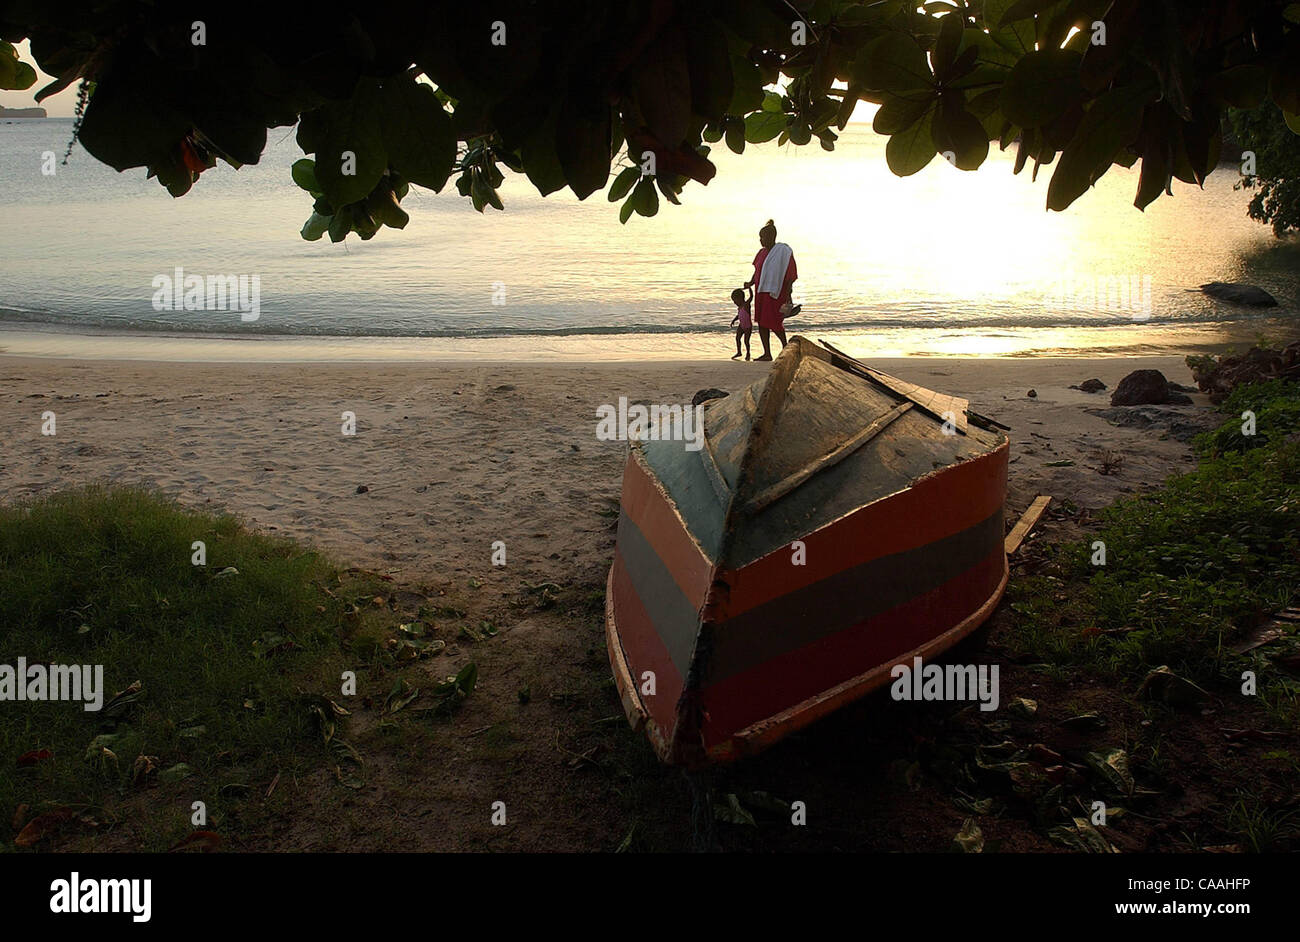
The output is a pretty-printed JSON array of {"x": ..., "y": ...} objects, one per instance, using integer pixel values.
[
  {"x": 1270, "y": 135},
  {"x": 558, "y": 90},
  {"x": 225, "y": 656},
  {"x": 1190, "y": 568}
]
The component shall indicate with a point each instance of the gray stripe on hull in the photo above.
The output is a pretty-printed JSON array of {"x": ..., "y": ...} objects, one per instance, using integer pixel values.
[
  {"x": 674, "y": 618},
  {"x": 838, "y": 602}
]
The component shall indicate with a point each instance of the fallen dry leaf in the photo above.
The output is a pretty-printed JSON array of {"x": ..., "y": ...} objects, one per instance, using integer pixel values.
[
  {"x": 43, "y": 825},
  {"x": 203, "y": 842}
]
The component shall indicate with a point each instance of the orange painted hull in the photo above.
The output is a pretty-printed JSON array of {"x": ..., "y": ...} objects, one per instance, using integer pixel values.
[{"x": 731, "y": 622}]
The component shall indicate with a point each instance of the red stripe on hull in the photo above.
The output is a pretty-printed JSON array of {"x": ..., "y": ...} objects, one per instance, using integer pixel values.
[
  {"x": 933, "y": 508},
  {"x": 643, "y": 650},
  {"x": 778, "y": 684},
  {"x": 648, "y": 507}
]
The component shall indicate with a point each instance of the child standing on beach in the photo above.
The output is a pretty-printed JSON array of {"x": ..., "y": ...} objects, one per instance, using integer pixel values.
[{"x": 742, "y": 321}]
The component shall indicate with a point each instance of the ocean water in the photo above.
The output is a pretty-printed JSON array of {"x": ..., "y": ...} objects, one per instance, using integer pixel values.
[{"x": 942, "y": 263}]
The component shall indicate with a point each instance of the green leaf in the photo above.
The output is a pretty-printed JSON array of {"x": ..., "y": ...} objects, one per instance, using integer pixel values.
[
  {"x": 709, "y": 67},
  {"x": 15, "y": 74},
  {"x": 747, "y": 94},
  {"x": 482, "y": 193},
  {"x": 983, "y": 76},
  {"x": 1081, "y": 837},
  {"x": 666, "y": 189},
  {"x": 24, "y": 77},
  {"x": 895, "y": 63},
  {"x": 1154, "y": 179},
  {"x": 945, "y": 47},
  {"x": 1112, "y": 768},
  {"x": 1023, "y": 9},
  {"x": 1111, "y": 123},
  {"x": 1284, "y": 84},
  {"x": 340, "y": 225},
  {"x": 399, "y": 697},
  {"x": 735, "y": 134},
  {"x": 763, "y": 126},
  {"x": 645, "y": 197},
  {"x": 316, "y": 226},
  {"x": 352, "y": 128},
  {"x": 125, "y": 125},
  {"x": 663, "y": 91},
  {"x": 800, "y": 133},
  {"x": 912, "y": 149},
  {"x": 227, "y": 122},
  {"x": 959, "y": 133},
  {"x": 383, "y": 206},
  {"x": 899, "y": 113},
  {"x": 970, "y": 839},
  {"x": 311, "y": 130},
  {"x": 993, "y": 53},
  {"x": 173, "y": 173},
  {"x": 541, "y": 163},
  {"x": 583, "y": 145},
  {"x": 1017, "y": 35},
  {"x": 304, "y": 174},
  {"x": 623, "y": 183},
  {"x": 1041, "y": 87},
  {"x": 1243, "y": 86},
  {"x": 417, "y": 133}
]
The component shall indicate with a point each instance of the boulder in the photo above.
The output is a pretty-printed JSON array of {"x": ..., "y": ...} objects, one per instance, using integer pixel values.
[
  {"x": 1218, "y": 377},
  {"x": 704, "y": 395},
  {"x": 1090, "y": 386},
  {"x": 1141, "y": 388},
  {"x": 1239, "y": 293}
]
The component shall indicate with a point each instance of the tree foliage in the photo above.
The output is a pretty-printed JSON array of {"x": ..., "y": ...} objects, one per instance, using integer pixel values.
[
  {"x": 1273, "y": 171},
  {"x": 403, "y": 92}
]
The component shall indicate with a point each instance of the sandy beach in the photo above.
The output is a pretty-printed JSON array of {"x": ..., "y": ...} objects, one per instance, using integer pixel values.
[
  {"x": 326, "y": 524},
  {"x": 450, "y": 458},
  {"x": 446, "y": 460}
]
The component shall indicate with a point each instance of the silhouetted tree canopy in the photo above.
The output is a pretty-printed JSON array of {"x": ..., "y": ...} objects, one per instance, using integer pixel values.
[
  {"x": 1271, "y": 165},
  {"x": 404, "y": 92}
]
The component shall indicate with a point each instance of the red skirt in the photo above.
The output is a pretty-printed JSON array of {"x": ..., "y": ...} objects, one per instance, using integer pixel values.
[{"x": 767, "y": 309}]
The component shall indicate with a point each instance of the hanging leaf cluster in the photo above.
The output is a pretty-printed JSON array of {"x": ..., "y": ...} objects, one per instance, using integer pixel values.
[{"x": 627, "y": 97}]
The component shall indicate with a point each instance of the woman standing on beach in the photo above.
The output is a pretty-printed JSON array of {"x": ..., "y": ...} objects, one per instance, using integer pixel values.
[{"x": 774, "y": 274}]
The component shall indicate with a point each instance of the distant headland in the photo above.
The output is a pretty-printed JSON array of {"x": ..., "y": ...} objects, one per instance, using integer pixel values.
[{"x": 22, "y": 112}]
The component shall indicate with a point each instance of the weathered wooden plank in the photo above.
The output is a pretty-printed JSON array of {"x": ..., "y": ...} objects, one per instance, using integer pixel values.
[
  {"x": 828, "y": 460},
  {"x": 939, "y": 405},
  {"x": 1026, "y": 523},
  {"x": 1262, "y": 635}
]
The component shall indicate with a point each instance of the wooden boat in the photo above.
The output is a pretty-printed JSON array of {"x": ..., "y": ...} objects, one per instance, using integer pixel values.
[{"x": 837, "y": 521}]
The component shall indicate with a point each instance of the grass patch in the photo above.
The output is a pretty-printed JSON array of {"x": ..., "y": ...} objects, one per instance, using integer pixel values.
[
  {"x": 105, "y": 577},
  {"x": 1188, "y": 568}
]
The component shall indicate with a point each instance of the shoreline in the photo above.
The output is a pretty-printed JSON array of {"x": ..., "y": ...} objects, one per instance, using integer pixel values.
[
  {"x": 452, "y": 457},
  {"x": 921, "y": 343}
]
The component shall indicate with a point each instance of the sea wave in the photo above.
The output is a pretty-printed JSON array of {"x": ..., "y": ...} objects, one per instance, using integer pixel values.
[{"x": 704, "y": 324}]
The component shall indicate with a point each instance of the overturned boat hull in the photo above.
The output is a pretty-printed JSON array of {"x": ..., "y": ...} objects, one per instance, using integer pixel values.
[{"x": 836, "y": 522}]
